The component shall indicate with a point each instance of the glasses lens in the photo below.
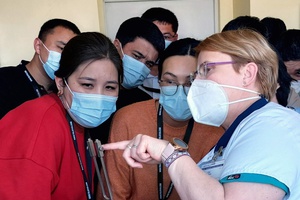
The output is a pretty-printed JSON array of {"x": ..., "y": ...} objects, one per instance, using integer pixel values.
[
  {"x": 168, "y": 90},
  {"x": 201, "y": 70}
]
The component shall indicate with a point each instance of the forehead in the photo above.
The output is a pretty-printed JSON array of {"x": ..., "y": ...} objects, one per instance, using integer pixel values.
[
  {"x": 101, "y": 70},
  {"x": 59, "y": 33},
  {"x": 212, "y": 56},
  {"x": 165, "y": 28},
  {"x": 180, "y": 65},
  {"x": 142, "y": 46}
]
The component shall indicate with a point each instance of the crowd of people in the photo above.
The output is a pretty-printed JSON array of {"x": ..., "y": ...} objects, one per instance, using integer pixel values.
[{"x": 178, "y": 118}]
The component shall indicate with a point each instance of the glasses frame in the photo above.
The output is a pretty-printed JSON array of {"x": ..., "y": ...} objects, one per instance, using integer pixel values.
[
  {"x": 169, "y": 36},
  {"x": 177, "y": 85},
  {"x": 207, "y": 64}
]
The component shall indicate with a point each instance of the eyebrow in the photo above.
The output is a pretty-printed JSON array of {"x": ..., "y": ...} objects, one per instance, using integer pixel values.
[
  {"x": 113, "y": 82},
  {"x": 174, "y": 76},
  {"x": 94, "y": 80},
  {"x": 142, "y": 56},
  {"x": 61, "y": 42},
  {"x": 139, "y": 53}
]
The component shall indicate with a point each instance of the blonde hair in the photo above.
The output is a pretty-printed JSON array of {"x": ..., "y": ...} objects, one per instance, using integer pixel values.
[{"x": 246, "y": 46}]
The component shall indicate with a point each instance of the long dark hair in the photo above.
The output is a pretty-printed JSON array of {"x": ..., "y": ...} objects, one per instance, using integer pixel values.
[{"x": 88, "y": 46}]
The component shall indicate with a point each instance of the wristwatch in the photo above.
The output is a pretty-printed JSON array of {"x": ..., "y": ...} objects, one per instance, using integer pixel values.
[{"x": 174, "y": 150}]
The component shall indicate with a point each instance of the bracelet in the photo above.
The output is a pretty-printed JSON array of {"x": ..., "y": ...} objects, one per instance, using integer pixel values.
[{"x": 174, "y": 156}]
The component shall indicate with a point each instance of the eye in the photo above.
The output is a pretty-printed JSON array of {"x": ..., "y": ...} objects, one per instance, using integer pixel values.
[
  {"x": 187, "y": 84},
  {"x": 61, "y": 47},
  {"x": 137, "y": 57},
  {"x": 171, "y": 82},
  {"x": 166, "y": 37},
  {"x": 150, "y": 64},
  {"x": 111, "y": 87},
  {"x": 87, "y": 85}
]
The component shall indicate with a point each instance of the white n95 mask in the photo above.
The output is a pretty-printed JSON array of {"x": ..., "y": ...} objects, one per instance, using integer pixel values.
[{"x": 209, "y": 102}]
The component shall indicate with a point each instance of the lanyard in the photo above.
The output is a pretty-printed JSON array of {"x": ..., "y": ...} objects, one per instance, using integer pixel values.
[
  {"x": 87, "y": 182},
  {"x": 151, "y": 89},
  {"x": 186, "y": 139},
  {"x": 39, "y": 90},
  {"x": 222, "y": 143}
]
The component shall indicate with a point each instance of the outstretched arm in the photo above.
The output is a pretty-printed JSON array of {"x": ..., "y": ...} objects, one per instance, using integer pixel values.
[{"x": 189, "y": 180}]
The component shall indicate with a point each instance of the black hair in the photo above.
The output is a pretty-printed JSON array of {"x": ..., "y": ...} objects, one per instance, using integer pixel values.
[
  {"x": 181, "y": 47},
  {"x": 284, "y": 79},
  {"x": 137, "y": 27},
  {"x": 48, "y": 27},
  {"x": 288, "y": 45},
  {"x": 88, "y": 46},
  {"x": 161, "y": 15},
  {"x": 275, "y": 27},
  {"x": 248, "y": 22}
]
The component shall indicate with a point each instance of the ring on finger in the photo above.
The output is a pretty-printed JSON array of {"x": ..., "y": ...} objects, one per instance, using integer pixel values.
[
  {"x": 134, "y": 146},
  {"x": 129, "y": 147}
]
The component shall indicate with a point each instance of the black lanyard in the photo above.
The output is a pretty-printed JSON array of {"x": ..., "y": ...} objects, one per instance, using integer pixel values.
[
  {"x": 222, "y": 143},
  {"x": 39, "y": 90},
  {"x": 87, "y": 182},
  {"x": 186, "y": 139}
]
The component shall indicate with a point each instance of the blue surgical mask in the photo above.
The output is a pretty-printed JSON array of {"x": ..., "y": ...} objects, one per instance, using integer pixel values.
[
  {"x": 167, "y": 43},
  {"x": 176, "y": 105},
  {"x": 91, "y": 110},
  {"x": 52, "y": 64},
  {"x": 135, "y": 72}
]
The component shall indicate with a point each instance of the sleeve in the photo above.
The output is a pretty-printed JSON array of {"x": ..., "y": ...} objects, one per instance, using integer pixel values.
[
  {"x": 118, "y": 170},
  {"x": 259, "y": 154},
  {"x": 29, "y": 155},
  {"x": 22, "y": 178}
]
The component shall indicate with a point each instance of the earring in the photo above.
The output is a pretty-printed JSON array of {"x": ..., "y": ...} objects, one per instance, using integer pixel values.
[{"x": 59, "y": 93}]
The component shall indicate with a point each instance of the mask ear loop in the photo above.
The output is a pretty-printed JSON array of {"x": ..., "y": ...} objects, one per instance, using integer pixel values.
[
  {"x": 44, "y": 45},
  {"x": 121, "y": 48},
  {"x": 68, "y": 86},
  {"x": 63, "y": 101}
]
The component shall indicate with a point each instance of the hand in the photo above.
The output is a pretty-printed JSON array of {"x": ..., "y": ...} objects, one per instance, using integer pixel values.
[{"x": 141, "y": 149}]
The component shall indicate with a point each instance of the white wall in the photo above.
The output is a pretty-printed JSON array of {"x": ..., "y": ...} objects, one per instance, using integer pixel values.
[
  {"x": 20, "y": 21},
  {"x": 287, "y": 10},
  {"x": 196, "y": 18}
]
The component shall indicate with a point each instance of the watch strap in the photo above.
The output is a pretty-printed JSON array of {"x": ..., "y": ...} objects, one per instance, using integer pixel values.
[
  {"x": 174, "y": 156},
  {"x": 169, "y": 150}
]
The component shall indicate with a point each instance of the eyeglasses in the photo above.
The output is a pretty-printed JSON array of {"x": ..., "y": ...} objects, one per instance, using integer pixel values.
[
  {"x": 168, "y": 36},
  {"x": 204, "y": 68},
  {"x": 169, "y": 88}
]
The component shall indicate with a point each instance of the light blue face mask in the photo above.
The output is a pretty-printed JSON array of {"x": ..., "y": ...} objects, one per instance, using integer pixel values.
[
  {"x": 167, "y": 43},
  {"x": 91, "y": 110},
  {"x": 52, "y": 64},
  {"x": 176, "y": 105},
  {"x": 135, "y": 72}
]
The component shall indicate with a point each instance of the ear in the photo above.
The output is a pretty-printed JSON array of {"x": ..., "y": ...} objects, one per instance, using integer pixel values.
[
  {"x": 60, "y": 85},
  {"x": 37, "y": 45},
  {"x": 118, "y": 46},
  {"x": 249, "y": 74}
]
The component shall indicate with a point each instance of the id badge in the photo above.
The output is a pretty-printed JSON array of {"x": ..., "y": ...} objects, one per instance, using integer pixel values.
[{"x": 213, "y": 168}]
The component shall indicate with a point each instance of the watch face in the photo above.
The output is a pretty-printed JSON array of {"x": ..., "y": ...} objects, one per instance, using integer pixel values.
[{"x": 179, "y": 142}]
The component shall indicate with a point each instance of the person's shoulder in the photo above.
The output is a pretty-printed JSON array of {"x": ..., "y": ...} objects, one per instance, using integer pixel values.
[
  {"x": 40, "y": 106},
  {"x": 274, "y": 118},
  {"x": 9, "y": 70},
  {"x": 12, "y": 73}
]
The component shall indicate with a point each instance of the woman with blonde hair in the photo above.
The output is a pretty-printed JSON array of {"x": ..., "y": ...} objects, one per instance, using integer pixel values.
[{"x": 256, "y": 158}]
